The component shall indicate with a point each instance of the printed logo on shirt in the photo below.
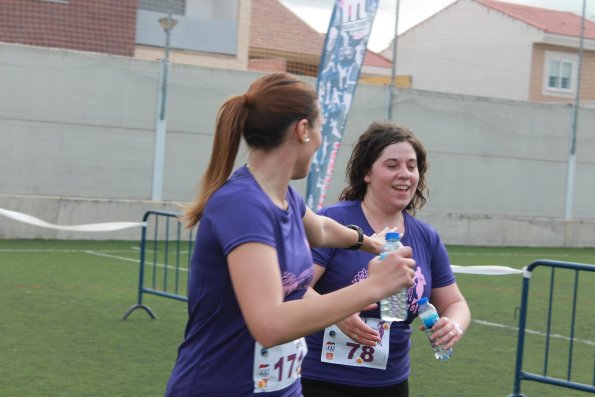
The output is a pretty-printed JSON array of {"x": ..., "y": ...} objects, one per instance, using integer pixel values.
[
  {"x": 415, "y": 293},
  {"x": 362, "y": 274},
  {"x": 292, "y": 282},
  {"x": 329, "y": 356},
  {"x": 330, "y": 346}
]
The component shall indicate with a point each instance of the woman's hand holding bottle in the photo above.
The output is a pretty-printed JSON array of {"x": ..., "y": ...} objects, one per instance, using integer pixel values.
[{"x": 392, "y": 273}]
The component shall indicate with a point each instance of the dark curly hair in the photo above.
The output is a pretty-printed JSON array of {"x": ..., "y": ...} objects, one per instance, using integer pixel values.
[{"x": 368, "y": 149}]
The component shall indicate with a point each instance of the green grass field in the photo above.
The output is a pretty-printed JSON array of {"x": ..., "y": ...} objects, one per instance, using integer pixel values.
[{"x": 62, "y": 333}]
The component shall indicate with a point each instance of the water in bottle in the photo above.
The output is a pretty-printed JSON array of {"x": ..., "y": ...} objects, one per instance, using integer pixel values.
[
  {"x": 429, "y": 316},
  {"x": 394, "y": 307}
]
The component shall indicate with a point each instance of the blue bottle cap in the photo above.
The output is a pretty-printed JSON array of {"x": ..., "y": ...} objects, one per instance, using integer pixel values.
[
  {"x": 393, "y": 236},
  {"x": 422, "y": 301}
]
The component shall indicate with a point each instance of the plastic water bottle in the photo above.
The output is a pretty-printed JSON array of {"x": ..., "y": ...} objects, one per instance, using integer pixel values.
[
  {"x": 429, "y": 316},
  {"x": 394, "y": 307}
]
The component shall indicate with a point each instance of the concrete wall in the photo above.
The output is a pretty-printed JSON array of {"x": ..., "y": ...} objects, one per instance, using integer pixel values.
[
  {"x": 501, "y": 157},
  {"x": 77, "y": 131}
]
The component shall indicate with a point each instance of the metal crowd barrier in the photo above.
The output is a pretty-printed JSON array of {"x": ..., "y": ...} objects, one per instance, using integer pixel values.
[
  {"x": 165, "y": 253},
  {"x": 545, "y": 377}
]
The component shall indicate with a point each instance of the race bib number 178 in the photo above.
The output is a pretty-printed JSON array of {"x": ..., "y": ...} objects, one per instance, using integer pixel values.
[{"x": 278, "y": 367}]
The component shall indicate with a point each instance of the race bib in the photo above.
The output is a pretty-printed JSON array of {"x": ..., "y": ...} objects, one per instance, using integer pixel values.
[
  {"x": 338, "y": 348},
  {"x": 278, "y": 367}
]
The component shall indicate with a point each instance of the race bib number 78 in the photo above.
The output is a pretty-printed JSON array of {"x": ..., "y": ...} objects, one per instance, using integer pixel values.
[{"x": 338, "y": 348}]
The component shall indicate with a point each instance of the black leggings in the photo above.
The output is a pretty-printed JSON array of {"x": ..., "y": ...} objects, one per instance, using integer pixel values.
[{"x": 316, "y": 388}]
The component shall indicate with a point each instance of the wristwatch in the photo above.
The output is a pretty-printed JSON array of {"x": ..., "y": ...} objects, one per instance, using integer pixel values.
[{"x": 360, "y": 237}]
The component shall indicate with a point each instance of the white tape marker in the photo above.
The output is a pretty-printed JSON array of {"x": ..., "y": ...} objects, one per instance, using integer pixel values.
[
  {"x": 485, "y": 270},
  {"x": 93, "y": 227},
  {"x": 112, "y": 226}
]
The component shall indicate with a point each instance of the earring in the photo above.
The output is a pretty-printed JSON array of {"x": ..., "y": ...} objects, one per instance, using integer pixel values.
[{"x": 307, "y": 140}]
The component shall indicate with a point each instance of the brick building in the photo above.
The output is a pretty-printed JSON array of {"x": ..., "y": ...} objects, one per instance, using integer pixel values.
[{"x": 107, "y": 26}]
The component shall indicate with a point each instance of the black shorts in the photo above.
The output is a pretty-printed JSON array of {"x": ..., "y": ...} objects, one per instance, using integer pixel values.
[{"x": 316, "y": 388}]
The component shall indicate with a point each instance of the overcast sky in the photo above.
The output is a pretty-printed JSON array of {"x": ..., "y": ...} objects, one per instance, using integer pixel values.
[{"x": 317, "y": 13}]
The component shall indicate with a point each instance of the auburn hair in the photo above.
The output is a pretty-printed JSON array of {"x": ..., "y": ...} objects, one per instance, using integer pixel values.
[{"x": 261, "y": 116}]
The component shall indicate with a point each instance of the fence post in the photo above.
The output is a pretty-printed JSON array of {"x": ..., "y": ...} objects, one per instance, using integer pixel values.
[{"x": 516, "y": 391}]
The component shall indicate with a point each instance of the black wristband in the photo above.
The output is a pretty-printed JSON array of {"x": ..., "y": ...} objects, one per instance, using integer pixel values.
[{"x": 360, "y": 237}]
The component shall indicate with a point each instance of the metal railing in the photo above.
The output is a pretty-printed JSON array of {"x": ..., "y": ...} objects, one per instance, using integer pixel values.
[
  {"x": 165, "y": 255},
  {"x": 568, "y": 381}
]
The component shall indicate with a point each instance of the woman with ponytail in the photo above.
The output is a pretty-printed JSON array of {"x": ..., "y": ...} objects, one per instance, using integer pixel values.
[{"x": 252, "y": 262}]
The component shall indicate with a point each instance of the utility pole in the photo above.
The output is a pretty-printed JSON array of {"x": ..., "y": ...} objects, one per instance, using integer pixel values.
[
  {"x": 161, "y": 125},
  {"x": 392, "y": 87},
  {"x": 572, "y": 153}
]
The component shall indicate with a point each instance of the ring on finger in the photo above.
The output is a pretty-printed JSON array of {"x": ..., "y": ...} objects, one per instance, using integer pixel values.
[{"x": 451, "y": 333}]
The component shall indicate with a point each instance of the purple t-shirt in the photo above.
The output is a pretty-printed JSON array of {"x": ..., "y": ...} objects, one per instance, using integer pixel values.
[
  {"x": 345, "y": 267},
  {"x": 216, "y": 357}
]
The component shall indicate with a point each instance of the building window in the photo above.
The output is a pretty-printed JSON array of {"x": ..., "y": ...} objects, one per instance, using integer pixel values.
[
  {"x": 560, "y": 73},
  {"x": 174, "y": 6},
  {"x": 209, "y": 26}
]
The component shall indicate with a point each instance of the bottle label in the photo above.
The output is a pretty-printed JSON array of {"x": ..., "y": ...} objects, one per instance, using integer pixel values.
[
  {"x": 429, "y": 320},
  {"x": 278, "y": 367},
  {"x": 338, "y": 348}
]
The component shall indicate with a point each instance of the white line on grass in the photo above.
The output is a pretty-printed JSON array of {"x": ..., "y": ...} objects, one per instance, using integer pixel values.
[
  {"x": 53, "y": 250},
  {"x": 529, "y": 331},
  {"x": 517, "y": 254},
  {"x": 482, "y": 322},
  {"x": 105, "y": 253},
  {"x": 101, "y": 253}
]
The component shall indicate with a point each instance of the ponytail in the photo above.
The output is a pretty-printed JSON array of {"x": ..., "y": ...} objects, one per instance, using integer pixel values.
[
  {"x": 231, "y": 120},
  {"x": 262, "y": 116}
]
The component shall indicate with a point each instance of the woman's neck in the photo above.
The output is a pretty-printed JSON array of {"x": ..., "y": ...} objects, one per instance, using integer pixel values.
[
  {"x": 271, "y": 176},
  {"x": 379, "y": 217}
]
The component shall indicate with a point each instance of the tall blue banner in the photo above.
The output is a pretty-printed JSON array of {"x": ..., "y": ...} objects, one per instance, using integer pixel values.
[{"x": 340, "y": 66}]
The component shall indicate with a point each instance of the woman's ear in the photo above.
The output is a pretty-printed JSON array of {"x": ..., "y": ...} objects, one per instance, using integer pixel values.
[{"x": 302, "y": 129}]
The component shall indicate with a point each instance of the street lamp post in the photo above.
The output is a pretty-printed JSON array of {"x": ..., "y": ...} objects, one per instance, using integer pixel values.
[
  {"x": 572, "y": 153},
  {"x": 392, "y": 87},
  {"x": 167, "y": 24}
]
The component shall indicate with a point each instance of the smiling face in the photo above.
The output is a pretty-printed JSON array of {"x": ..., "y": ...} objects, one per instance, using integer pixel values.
[{"x": 392, "y": 180}]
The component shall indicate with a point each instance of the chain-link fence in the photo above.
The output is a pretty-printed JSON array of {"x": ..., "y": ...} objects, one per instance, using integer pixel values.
[
  {"x": 262, "y": 35},
  {"x": 81, "y": 85}
]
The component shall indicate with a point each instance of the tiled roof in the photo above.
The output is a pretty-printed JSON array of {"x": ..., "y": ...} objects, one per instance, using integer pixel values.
[
  {"x": 375, "y": 59},
  {"x": 276, "y": 28},
  {"x": 550, "y": 21}
]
